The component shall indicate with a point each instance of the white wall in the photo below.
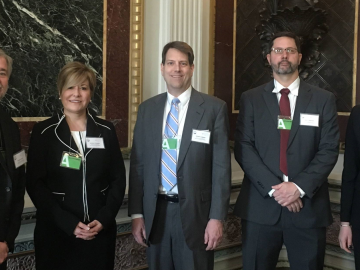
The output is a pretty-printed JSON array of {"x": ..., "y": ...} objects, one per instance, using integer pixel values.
[{"x": 169, "y": 20}]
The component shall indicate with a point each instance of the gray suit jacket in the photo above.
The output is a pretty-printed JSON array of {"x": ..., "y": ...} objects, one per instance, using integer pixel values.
[
  {"x": 311, "y": 154},
  {"x": 203, "y": 170}
]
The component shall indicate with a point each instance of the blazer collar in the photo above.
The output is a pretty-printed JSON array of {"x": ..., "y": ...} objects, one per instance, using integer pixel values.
[
  {"x": 302, "y": 102},
  {"x": 7, "y": 135},
  {"x": 63, "y": 133},
  {"x": 193, "y": 116},
  {"x": 157, "y": 113}
]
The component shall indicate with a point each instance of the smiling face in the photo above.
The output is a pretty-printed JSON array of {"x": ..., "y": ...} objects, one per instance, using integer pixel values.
[
  {"x": 75, "y": 97},
  {"x": 284, "y": 63},
  {"x": 177, "y": 72},
  {"x": 4, "y": 77}
]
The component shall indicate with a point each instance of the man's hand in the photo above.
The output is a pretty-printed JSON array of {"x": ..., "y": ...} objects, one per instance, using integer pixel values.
[
  {"x": 296, "y": 206},
  {"x": 138, "y": 231},
  {"x": 286, "y": 193},
  {"x": 345, "y": 237},
  {"x": 83, "y": 231},
  {"x": 95, "y": 226},
  {"x": 4, "y": 250},
  {"x": 213, "y": 234}
]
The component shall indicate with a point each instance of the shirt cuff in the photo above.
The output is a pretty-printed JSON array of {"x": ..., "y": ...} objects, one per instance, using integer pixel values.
[
  {"x": 133, "y": 216},
  {"x": 302, "y": 193},
  {"x": 271, "y": 192}
]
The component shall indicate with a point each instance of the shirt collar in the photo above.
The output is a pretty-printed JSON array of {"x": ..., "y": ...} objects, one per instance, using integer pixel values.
[
  {"x": 294, "y": 87},
  {"x": 184, "y": 97}
]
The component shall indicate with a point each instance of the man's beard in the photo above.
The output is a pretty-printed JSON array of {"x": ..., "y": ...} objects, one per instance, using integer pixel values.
[{"x": 284, "y": 70}]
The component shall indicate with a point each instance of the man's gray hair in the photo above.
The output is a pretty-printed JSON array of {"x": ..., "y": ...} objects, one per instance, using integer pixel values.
[{"x": 8, "y": 60}]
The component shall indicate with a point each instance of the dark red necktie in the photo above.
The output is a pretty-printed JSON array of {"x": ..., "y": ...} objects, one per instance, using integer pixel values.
[{"x": 284, "y": 134}]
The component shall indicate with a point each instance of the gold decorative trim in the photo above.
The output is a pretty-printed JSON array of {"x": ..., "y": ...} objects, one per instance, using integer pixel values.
[
  {"x": 103, "y": 112},
  {"x": 212, "y": 47},
  {"x": 355, "y": 51},
  {"x": 234, "y": 60},
  {"x": 135, "y": 63}
]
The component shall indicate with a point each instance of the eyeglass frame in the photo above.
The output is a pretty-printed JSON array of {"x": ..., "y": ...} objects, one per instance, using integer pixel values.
[{"x": 287, "y": 50}]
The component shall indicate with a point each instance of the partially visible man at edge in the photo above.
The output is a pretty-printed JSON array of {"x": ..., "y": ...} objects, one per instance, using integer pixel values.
[{"x": 12, "y": 171}]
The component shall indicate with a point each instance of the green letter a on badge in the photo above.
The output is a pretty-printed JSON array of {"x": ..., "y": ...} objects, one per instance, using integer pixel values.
[
  {"x": 65, "y": 161},
  {"x": 281, "y": 124},
  {"x": 165, "y": 144}
]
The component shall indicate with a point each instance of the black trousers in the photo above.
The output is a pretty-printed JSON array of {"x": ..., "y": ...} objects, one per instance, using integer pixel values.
[
  {"x": 262, "y": 245},
  {"x": 356, "y": 244},
  {"x": 168, "y": 249}
]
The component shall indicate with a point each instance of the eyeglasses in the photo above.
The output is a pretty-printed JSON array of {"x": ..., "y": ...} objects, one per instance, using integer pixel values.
[{"x": 281, "y": 50}]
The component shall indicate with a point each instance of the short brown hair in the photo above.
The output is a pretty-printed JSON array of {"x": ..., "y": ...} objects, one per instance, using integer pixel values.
[
  {"x": 9, "y": 62},
  {"x": 180, "y": 46},
  {"x": 285, "y": 34},
  {"x": 73, "y": 73}
]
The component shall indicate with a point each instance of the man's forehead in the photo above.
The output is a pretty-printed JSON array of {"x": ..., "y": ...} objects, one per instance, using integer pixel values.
[
  {"x": 284, "y": 41},
  {"x": 3, "y": 63}
]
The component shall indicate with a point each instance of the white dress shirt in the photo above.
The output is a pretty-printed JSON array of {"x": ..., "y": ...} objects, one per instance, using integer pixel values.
[
  {"x": 294, "y": 92},
  {"x": 183, "y": 107}
]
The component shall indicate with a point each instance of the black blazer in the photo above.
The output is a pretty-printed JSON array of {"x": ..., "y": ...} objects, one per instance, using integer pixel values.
[
  {"x": 57, "y": 192},
  {"x": 350, "y": 188},
  {"x": 12, "y": 185},
  {"x": 311, "y": 154},
  {"x": 203, "y": 170}
]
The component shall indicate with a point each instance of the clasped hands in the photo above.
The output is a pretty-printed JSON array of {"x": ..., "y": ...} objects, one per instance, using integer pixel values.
[
  {"x": 212, "y": 237},
  {"x": 89, "y": 231},
  {"x": 288, "y": 195}
]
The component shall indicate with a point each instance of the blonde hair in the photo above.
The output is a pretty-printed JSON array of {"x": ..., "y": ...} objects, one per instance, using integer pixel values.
[
  {"x": 9, "y": 62},
  {"x": 74, "y": 73}
]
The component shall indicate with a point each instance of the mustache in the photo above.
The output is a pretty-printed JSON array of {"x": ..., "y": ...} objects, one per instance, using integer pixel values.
[{"x": 285, "y": 61}]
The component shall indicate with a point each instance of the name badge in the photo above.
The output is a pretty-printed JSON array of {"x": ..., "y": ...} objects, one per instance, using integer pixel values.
[
  {"x": 92, "y": 142},
  {"x": 19, "y": 158},
  {"x": 70, "y": 160},
  {"x": 307, "y": 119},
  {"x": 284, "y": 122},
  {"x": 169, "y": 144},
  {"x": 201, "y": 136}
]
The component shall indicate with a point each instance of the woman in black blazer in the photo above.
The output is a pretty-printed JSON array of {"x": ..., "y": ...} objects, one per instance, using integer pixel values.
[
  {"x": 76, "y": 179},
  {"x": 350, "y": 189}
]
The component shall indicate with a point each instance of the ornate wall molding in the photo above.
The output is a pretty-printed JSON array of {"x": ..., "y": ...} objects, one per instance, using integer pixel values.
[{"x": 135, "y": 62}]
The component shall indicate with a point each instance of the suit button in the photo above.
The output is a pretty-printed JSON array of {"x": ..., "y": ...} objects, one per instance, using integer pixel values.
[
  {"x": 155, "y": 195},
  {"x": 7, "y": 189}
]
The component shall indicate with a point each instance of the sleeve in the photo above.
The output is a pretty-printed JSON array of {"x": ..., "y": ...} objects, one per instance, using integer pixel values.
[
  {"x": 136, "y": 179},
  {"x": 17, "y": 202},
  {"x": 36, "y": 178},
  {"x": 246, "y": 153},
  {"x": 327, "y": 154},
  {"x": 221, "y": 166},
  {"x": 117, "y": 184},
  {"x": 351, "y": 166}
]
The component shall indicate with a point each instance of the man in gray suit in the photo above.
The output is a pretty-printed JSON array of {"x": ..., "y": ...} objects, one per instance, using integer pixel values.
[
  {"x": 286, "y": 142},
  {"x": 180, "y": 169}
]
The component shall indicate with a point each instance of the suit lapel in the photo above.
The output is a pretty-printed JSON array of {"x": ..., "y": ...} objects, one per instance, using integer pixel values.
[
  {"x": 271, "y": 101},
  {"x": 6, "y": 133},
  {"x": 302, "y": 102},
  {"x": 157, "y": 125},
  {"x": 192, "y": 120}
]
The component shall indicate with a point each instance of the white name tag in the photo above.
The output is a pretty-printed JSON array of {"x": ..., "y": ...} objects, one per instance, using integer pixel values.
[
  {"x": 311, "y": 120},
  {"x": 97, "y": 143},
  {"x": 201, "y": 136},
  {"x": 19, "y": 158}
]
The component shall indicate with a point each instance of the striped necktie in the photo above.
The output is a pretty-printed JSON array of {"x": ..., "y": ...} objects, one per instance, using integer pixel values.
[{"x": 169, "y": 157}]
